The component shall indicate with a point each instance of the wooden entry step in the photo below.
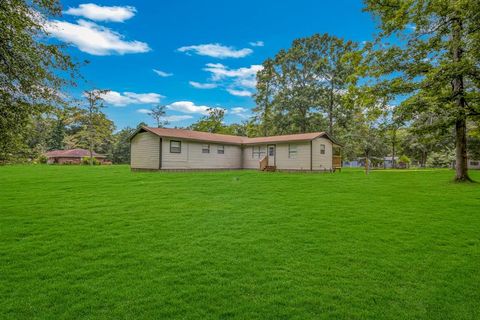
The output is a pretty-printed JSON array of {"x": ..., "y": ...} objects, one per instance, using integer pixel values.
[{"x": 270, "y": 168}]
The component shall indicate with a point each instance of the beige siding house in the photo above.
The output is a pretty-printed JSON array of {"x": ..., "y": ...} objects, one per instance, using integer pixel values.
[{"x": 177, "y": 149}]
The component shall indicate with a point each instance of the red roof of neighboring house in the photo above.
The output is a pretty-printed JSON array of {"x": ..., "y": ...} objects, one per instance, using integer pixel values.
[
  {"x": 229, "y": 139},
  {"x": 72, "y": 153}
]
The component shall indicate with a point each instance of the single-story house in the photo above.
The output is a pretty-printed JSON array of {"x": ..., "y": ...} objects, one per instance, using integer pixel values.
[
  {"x": 178, "y": 149},
  {"x": 72, "y": 156},
  {"x": 388, "y": 162},
  {"x": 374, "y": 162},
  {"x": 473, "y": 164}
]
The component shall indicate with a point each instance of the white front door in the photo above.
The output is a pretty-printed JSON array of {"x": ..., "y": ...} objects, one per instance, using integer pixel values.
[{"x": 271, "y": 154}]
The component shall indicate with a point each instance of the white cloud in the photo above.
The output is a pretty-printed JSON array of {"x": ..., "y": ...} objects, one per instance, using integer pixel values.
[
  {"x": 238, "y": 110},
  {"x": 257, "y": 44},
  {"x": 123, "y": 99},
  {"x": 220, "y": 71},
  {"x": 144, "y": 97},
  {"x": 93, "y": 38},
  {"x": 103, "y": 13},
  {"x": 162, "y": 73},
  {"x": 199, "y": 85},
  {"x": 238, "y": 80},
  {"x": 177, "y": 118},
  {"x": 188, "y": 107},
  {"x": 172, "y": 118},
  {"x": 239, "y": 93},
  {"x": 216, "y": 50}
]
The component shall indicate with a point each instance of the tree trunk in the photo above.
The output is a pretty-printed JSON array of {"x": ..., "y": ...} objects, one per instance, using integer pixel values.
[
  {"x": 90, "y": 149},
  {"x": 461, "y": 169},
  {"x": 424, "y": 159},
  {"x": 367, "y": 165},
  {"x": 330, "y": 114},
  {"x": 394, "y": 141}
]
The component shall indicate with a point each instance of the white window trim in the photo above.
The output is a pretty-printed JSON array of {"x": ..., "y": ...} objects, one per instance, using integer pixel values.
[
  {"x": 221, "y": 148},
  {"x": 323, "y": 148},
  {"x": 292, "y": 151},
  {"x": 207, "y": 149},
  {"x": 258, "y": 152},
  {"x": 179, "y": 146}
]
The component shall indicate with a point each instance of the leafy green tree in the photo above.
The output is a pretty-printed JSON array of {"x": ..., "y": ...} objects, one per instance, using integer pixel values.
[
  {"x": 96, "y": 130},
  {"x": 301, "y": 84},
  {"x": 304, "y": 82},
  {"x": 30, "y": 69},
  {"x": 435, "y": 61},
  {"x": 391, "y": 124},
  {"x": 61, "y": 119},
  {"x": 426, "y": 134},
  {"x": 121, "y": 146},
  {"x": 264, "y": 98},
  {"x": 405, "y": 160},
  {"x": 159, "y": 113},
  {"x": 365, "y": 134},
  {"x": 213, "y": 122}
]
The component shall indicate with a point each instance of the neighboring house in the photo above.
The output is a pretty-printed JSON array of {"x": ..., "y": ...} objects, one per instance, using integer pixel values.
[
  {"x": 374, "y": 162},
  {"x": 388, "y": 162},
  {"x": 176, "y": 149},
  {"x": 473, "y": 164},
  {"x": 73, "y": 156}
]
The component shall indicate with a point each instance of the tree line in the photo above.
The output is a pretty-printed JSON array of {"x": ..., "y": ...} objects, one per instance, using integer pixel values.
[{"x": 412, "y": 91}]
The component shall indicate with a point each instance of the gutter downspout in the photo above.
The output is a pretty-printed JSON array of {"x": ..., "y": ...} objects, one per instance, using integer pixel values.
[
  {"x": 311, "y": 155},
  {"x": 160, "y": 155}
]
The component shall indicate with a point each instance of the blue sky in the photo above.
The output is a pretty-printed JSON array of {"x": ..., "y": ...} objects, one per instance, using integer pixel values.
[{"x": 206, "y": 52}]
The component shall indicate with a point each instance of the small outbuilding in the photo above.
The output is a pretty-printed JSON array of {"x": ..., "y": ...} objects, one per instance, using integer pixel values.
[{"x": 72, "y": 156}]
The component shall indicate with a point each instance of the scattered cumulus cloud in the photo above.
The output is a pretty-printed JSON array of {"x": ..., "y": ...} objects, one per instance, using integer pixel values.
[
  {"x": 94, "y": 39},
  {"x": 199, "y": 85},
  {"x": 239, "y": 82},
  {"x": 220, "y": 71},
  {"x": 102, "y": 13},
  {"x": 240, "y": 112},
  {"x": 177, "y": 118},
  {"x": 239, "y": 93},
  {"x": 126, "y": 98},
  {"x": 257, "y": 44},
  {"x": 216, "y": 50},
  {"x": 172, "y": 118},
  {"x": 188, "y": 107},
  {"x": 162, "y": 74}
]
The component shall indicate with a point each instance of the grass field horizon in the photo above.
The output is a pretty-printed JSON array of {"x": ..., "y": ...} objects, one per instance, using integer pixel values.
[{"x": 105, "y": 242}]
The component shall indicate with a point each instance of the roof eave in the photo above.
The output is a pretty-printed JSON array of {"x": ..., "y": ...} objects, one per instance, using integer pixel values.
[{"x": 182, "y": 138}]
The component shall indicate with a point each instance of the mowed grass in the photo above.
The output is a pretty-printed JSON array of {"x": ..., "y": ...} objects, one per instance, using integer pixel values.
[{"x": 104, "y": 242}]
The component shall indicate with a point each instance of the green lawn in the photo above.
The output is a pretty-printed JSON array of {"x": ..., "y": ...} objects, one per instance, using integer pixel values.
[{"x": 103, "y": 242}]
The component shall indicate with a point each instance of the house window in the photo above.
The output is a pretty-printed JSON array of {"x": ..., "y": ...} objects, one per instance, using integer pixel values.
[
  {"x": 175, "y": 146},
  {"x": 206, "y": 148},
  {"x": 220, "y": 149},
  {"x": 258, "y": 152},
  {"x": 322, "y": 149},
  {"x": 292, "y": 151},
  {"x": 474, "y": 163}
]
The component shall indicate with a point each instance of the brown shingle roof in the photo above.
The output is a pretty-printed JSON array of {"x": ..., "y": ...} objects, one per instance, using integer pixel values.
[
  {"x": 229, "y": 139},
  {"x": 285, "y": 138},
  {"x": 195, "y": 135},
  {"x": 72, "y": 153}
]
